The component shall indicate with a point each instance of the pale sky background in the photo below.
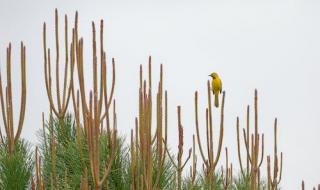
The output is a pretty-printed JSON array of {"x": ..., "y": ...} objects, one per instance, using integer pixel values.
[{"x": 269, "y": 45}]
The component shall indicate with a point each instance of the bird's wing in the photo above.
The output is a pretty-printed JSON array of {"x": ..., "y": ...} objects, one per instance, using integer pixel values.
[
  {"x": 212, "y": 86},
  {"x": 220, "y": 86}
]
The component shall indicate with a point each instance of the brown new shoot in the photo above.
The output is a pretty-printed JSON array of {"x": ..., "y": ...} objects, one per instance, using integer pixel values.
[
  {"x": 143, "y": 140},
  {"x": 92, "y": 112},
  {"x": 6, "y": 101},
  {"x": 227, "y": 173},
  {"x": 84, "y": 181},
  {"x": 211, "y": 161},
  {"x": 39, "y": 178},
  {"x": 193, "y": 167},
  {"x": 180, "y": 165},
  {"x": 62, "y": 101},
  {"x": 274, "y": 181},
  {"x": 252, "y": 148}
]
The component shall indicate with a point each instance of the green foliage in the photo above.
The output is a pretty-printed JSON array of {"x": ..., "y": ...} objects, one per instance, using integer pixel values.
[
  {"x": 70, "y": 159},
  {"x": 68, "y": 163},
  {"x": 71, "y": 162},
  {"x": 167, "y": 173},
  {"x": 202, "y": 183},
  {"x": 119, "y": 175},
  {"x": 216, "y": 183},
  {"x": 242, "y": 183},
  {"x": 16, "y": 168},
  {"x": 197, "y": 184}
]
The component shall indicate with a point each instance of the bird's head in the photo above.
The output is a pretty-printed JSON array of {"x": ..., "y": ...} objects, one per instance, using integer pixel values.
[{"x": 213, "y": 75}]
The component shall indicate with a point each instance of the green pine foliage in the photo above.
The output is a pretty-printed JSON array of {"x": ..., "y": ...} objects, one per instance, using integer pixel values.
[
  {"x": 16, "y": 168},
  {"x": 71, "y": 163},
  {"x": 242, "y": 183},
  {"x": 66, "y": 162},
  {"x": 201, "y": 182},
  {"x": 70, "y": 160},
  {"x": 167, "y": 175}
]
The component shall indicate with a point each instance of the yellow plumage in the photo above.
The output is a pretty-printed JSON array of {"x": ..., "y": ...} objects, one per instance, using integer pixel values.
[{"x": 216, "y": 87}]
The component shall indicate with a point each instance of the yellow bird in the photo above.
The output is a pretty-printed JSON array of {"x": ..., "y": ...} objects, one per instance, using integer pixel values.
[{"x": 216, "y": 87}]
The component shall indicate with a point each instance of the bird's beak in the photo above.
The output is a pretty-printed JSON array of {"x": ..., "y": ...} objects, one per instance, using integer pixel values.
[{"x": 209, "y": 75}]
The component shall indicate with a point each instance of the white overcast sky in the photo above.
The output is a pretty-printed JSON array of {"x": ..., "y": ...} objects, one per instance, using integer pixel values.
[{"x": 269, "y": 45}]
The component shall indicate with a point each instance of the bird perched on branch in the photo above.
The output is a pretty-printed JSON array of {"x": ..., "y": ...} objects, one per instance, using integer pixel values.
[{"x": 216, "y": 87}]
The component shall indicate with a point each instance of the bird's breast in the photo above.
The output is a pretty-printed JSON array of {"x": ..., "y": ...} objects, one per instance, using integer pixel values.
[{"x": 216, "y": 85}]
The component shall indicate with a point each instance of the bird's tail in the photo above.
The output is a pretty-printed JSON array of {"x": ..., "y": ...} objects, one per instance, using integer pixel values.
[{"x": 216, "y": 99}]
